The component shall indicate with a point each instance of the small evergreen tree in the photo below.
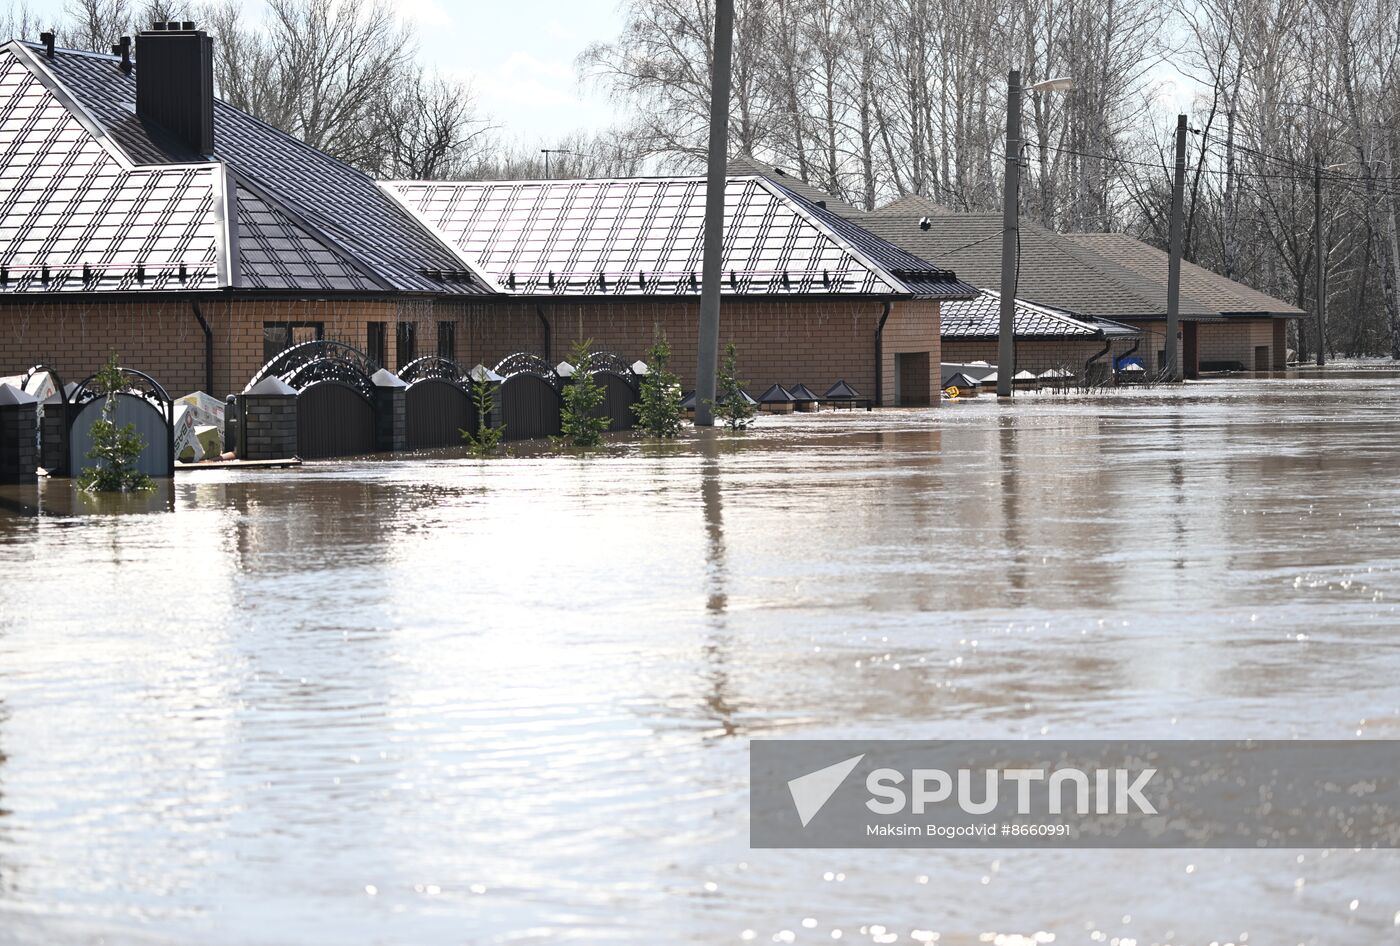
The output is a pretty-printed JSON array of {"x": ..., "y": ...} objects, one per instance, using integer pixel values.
[
  {"x": 581, "y": 421},
  {"x": 658, "y": 406},
  {"x": 487, "y": 439},
  {"x": 730, "y": 405},
  {"x": 116, "y": 449}
]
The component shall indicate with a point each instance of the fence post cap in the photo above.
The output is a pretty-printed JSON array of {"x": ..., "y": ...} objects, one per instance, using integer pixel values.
[
  {"x": 271, "y": 385},
  {"x": 11, "y": 396},
  {"x": 564, "y": 369},
  {"x": 384, "y": 378},
  {"x": 640, "y": 367},
  {"x": 482, "y": 373}
]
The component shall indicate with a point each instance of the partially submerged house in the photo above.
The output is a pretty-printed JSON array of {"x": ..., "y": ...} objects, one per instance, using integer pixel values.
[
  {"x": 142, "y": 216},
  {"x": 1252, "y": 334},
  {"x": 1046, "y": 337},
  {"x": 809, "y": 297},
  {"x": 1224, "y": 324}
]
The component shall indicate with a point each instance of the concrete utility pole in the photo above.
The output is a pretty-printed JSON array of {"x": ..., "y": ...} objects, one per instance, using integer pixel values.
[
  {"x": 1174, "y": 259},
  {"x": 1320, "y": 251},
  {"x": 1010, "y": 224},
  {"x": 708, "y": 361}
]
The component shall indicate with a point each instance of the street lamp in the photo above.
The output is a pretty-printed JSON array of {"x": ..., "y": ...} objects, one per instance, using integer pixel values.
[
  {"x": 1058, "y": 84},
  {"x": 1006, "y": 342}
]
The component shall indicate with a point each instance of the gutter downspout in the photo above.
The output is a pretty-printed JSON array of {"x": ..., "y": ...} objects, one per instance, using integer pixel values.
[
  {"x": 1107, "y": 347},
  {"x": 208, "y": 350},
  {"x": 880, "y": 355},
  {"x": 548, "y": 332}
]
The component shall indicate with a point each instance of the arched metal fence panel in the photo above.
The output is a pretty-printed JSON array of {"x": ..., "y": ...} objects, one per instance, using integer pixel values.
[
  {"x": 526, "y": 362},
  {"x": 621, "y": 394},
  {"x": 152, "y": 426},
  {"x": 333, "y": 420},
  {"x": 529, "y": 406},
  {"x": 437, "y": 412},
  {"x": 289, "y": 362},
  {"x": 431, "y": 366}
]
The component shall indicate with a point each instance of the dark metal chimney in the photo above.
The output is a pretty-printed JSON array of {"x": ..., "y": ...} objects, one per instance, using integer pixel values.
[
  {"x": 175, "y": 82},
  {"x": 123, "y": 49}
]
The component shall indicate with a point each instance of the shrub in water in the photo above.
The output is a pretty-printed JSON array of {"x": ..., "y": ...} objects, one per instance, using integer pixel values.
[
  {"x": 116, "y": 449},
  {"x": 730, "y": 406},
  {"x": 487, "y": 439},
  {"x": 658, "y": 406},
  {"x": 581, "y": 421}
]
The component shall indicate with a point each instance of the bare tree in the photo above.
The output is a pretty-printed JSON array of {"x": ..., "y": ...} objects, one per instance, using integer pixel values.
[{"x": 429, "y": 128}]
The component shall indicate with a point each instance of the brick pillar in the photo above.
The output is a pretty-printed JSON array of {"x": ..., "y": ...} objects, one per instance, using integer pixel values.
[
  {"x": 267, "y": 421},
  {"x": 19, "y": 420},
  {"x": 53, "y": 436},
  {"x": 390, "y": 411}
]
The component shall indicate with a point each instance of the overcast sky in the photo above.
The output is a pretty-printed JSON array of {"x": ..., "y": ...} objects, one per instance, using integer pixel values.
[{"x": 519, "y": 56}]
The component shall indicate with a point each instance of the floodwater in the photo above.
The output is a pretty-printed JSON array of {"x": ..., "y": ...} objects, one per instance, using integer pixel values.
[{"x": 446, "y": 701}]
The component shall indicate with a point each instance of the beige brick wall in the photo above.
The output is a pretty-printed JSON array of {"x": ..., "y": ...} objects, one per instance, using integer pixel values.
[
  {"x": 814, "y": 342},
  {"x": 912, "y": 327},
  {"x": 165, "y": 340},
  {"x": 1035, "y": 355},
  {"x": 1237, "y": 339}
]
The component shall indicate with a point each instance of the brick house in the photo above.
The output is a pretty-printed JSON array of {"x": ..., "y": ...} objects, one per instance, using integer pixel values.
[
  {"x": 808, "y": 296},
  {"x": 1046, "y": 338},
  {"x": 1094, "y": 276},
  {"x": 1224, "y": 324},
  {"x": 1252, "y": 333},
  {"x": 140, "y": 215}
]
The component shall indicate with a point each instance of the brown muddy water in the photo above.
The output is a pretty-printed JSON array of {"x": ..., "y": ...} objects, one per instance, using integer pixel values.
[{"x": 445, "y": 701}]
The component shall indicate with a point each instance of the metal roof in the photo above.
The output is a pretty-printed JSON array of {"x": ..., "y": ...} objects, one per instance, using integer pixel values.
[
  {"x": 981, "y": 318},
  {"x": 644, "y": 236},
  {"x": 126, "y": 193},
  {"x": 742, "y": 165},
  {"x": 1228, "y": 296},
  {"x": 75, "y": 218}
]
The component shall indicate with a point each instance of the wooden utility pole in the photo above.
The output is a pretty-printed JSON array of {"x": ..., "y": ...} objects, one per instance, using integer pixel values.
[
  {"x": 1174, "y": 259},
  {"x": 1320, "y": 251},
  {"x": 712, "y": 263},
  {"x": 1010, "y": 224}
]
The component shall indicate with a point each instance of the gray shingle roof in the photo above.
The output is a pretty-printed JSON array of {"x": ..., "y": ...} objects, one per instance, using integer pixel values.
[
  {"x": 1054, "y": 271},
  {"x": 981, "y": 318},
  {"x": 643, "y": 236},
  {"x": 315, "y": 224},
  {"x": 1222, "y": 294}
]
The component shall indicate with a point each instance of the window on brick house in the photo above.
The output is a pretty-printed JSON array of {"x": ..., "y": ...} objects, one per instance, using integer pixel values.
[
  {"x": 447, "y": 340},
  {"x": 405, "y": 343},
  {"x": 279, "y": 336},
  {"x": 377, "y": 342}
]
